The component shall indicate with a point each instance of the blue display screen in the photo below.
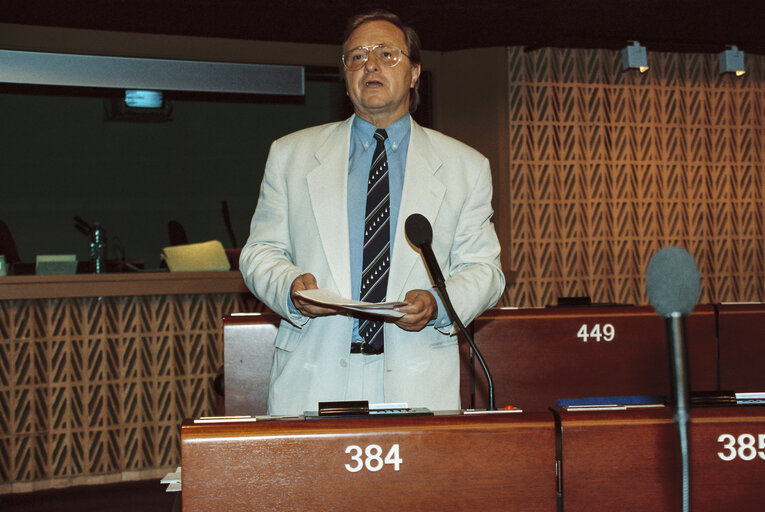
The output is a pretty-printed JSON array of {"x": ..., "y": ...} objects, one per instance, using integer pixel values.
[{"x": 143, "y": 99}]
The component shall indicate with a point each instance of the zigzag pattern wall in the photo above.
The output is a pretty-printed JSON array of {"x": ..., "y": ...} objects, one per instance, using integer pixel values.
[{"x": 606, "y": 167}]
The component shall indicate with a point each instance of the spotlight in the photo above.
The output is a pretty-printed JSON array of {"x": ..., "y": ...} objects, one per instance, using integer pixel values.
[
  {"x": 732, "y": 61},
  {"x": 634, "y": 57}
]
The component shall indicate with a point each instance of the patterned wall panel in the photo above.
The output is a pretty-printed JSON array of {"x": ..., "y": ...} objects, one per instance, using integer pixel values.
[
  {"x": 606, "y": 167},
  {"x": 98, "y": 386}
]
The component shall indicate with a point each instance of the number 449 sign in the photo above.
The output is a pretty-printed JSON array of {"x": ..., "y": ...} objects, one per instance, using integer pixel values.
[{"x": 597, "y": 332}]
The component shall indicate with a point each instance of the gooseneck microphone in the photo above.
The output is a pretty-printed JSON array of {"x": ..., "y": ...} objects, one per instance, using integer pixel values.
[
  {"x": 672, "y": 282},
  {"x": 420, "y": 234},
  {"x": 227, "y": 222}
]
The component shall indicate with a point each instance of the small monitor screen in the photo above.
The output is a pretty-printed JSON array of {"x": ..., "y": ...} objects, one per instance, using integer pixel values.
[{"x": 143, "y": 99}]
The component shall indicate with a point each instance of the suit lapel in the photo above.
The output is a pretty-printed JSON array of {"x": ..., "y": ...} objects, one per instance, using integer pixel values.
[
  {"x": 328, "y": 189},
  {"x": 422, "y": 193}
]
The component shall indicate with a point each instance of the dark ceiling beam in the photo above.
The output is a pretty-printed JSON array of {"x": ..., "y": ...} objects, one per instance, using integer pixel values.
[{"x": 698, "y": 25}]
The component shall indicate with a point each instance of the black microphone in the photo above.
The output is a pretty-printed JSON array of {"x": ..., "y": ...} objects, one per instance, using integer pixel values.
[
  {"x": 420, "y": 234},
  {"x": 227, "y": 221},
  {"x": 82, "y": 226},
  {"x": 672, "y": 282}
]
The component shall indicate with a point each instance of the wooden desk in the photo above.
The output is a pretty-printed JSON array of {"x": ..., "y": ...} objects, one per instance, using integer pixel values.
[
  {"x": 538, "y": 356},
  {"x": 630, "y": 460},
  {"x": 609, "y": 460},
  {"x": 248, "y": 351},
  {"x": 482, "y": 462},
  {"x": 535, "y": 355},
  {"x": 116, "y": 285},
  {"x": 99, "y": 370},
  {"x": 741, "y": 330}
]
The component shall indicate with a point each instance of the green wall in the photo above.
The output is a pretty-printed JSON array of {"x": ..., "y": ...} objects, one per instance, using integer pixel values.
[{"x": 60, "y": 158}]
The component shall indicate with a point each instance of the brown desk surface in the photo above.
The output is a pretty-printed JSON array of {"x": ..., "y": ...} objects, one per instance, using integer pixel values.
[
  {"x": 448, "y": 462},
  {"x": 538, "y": 356},
  {"x": 742, "y": 346},
  {"x": 630, "y": 460},
  {"x": 127, "y": 284}
]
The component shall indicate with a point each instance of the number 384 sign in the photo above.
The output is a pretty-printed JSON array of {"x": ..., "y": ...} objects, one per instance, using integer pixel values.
[{"x": 371, "y": 458}]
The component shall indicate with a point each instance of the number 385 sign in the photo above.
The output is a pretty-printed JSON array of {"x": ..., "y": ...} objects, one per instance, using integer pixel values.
[{"x": 744, "y": 447}]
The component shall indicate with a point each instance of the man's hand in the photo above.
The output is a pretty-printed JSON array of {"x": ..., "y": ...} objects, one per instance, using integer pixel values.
[
  {"x": 306, "y": 307},
  {"x": 422, "y": 308}
]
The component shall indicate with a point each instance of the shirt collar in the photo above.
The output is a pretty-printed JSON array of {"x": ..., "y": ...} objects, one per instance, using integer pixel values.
[{"x": 364, "y": 132}]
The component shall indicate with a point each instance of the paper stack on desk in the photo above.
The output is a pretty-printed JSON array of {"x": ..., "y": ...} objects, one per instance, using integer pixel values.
[
  {"x": 205, "y": 256},
  {"x": 174, "y": 481}
]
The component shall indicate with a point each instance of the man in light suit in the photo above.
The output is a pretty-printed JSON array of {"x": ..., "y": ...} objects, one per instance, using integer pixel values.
[{"x": 308, "y": 232}]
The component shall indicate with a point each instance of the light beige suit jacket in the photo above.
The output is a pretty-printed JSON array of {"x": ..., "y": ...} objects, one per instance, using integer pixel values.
[{"x": 300, "y": 226}]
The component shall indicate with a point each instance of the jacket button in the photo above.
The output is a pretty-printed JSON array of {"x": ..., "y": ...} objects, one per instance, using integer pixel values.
[{"x": 343, "y": 362}]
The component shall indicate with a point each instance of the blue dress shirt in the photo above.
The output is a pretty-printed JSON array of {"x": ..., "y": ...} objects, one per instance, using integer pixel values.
[{"x": 362, "y": 148}]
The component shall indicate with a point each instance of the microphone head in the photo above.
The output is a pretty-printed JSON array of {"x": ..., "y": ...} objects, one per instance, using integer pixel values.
[
  {"x": 672, "y": 281},
  {"x": 418, "y": 230}
]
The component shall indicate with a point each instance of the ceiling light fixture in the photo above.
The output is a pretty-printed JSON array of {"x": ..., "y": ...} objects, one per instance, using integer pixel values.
[
  {"x": 634, "y": 57},
  {"x": 732, "y": 61}
]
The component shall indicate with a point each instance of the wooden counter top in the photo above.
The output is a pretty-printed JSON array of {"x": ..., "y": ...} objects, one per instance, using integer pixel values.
[{"x": 111, "y": 285}]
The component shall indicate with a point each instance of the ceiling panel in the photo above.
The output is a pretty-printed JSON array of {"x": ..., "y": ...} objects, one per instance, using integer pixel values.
[{"x": 670, "y": 25}]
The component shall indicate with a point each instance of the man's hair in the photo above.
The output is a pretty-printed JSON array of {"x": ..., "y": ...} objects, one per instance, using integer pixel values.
[{"x": 413, "y": 49}]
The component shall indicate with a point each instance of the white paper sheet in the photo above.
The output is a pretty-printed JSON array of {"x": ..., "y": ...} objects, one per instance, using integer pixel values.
[{"x": 328, "y": 298}]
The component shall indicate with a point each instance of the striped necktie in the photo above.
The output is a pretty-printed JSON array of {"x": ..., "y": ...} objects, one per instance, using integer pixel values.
[{"x": 374, "y": 274}]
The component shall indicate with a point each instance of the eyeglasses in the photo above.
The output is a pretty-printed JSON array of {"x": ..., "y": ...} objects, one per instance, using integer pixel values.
[{"x": 388, "y": 56}]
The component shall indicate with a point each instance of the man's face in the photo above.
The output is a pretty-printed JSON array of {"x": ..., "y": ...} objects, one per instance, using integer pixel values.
[{"x": 380, "y": 94}]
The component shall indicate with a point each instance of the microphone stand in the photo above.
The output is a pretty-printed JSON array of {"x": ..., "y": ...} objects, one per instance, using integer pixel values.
[
  {"x": 673, "y": 283},
  {"x": 420, "y": 234},
  {"x": 675, "y": 330},
  {"x": 441, "y": 287}
]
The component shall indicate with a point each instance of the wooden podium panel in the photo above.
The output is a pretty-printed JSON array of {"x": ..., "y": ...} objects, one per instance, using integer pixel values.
[
  {"x": 248, "y": 350},
  {"x": 620, "y": 460},
  {"x": 447, "y": 462},
  {"x": 742, "y": 346},
  {"x": 538, "y": 356},
  {"x": 736, "y": 484},
  {"x": 630, "y": 460}
]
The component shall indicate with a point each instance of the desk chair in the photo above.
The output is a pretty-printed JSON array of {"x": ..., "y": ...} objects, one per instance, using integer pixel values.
[
  {"x": 8, "y": 245},
  {"x": 248, "y": 350},
  {"x": 176, "y": 233}
]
